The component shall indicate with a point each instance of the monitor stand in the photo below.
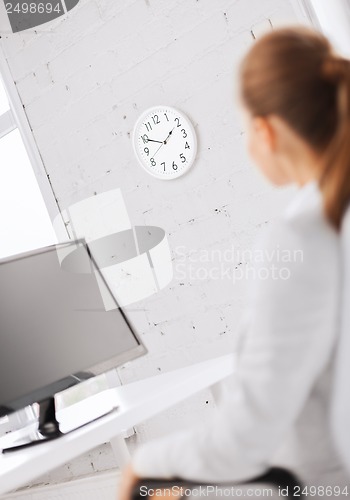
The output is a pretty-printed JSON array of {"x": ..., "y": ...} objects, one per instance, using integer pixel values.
[{"x": 48, "y": 426}]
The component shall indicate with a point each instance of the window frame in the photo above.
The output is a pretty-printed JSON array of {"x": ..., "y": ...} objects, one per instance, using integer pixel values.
[{"x": 16, "y": 118}]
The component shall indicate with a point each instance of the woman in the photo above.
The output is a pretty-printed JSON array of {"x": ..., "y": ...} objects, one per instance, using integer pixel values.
[{"x": 295, "y": 93}]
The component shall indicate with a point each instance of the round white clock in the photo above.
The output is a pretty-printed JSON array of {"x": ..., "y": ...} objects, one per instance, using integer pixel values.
[{"x": 164, "y": 142}]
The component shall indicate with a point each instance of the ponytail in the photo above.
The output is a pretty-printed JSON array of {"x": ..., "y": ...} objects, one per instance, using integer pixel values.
[{"x": 335, "y": 178}]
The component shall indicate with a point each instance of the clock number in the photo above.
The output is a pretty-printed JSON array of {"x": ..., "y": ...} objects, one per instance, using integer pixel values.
[
  {"x": 148, "y": 126},
  {"x": 153, "y": 162},
  {"x": 144, "y": 138},
  {"x": 166, "y": 116},
  {"x": 174, "y": 166},
  {"x": 182, "y": 157},
  {"x": 184, "y": 135},
  {"x": 163, "y": 163},
  {"x": 177, "y": 120},
  {"x": 155, "y": 119},
  {"x": 146, "y": 150},
  {"x": 187, "y": 146}
]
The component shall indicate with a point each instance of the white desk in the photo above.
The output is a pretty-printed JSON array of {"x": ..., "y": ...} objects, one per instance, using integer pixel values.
[{"x": 137, "y": 402}]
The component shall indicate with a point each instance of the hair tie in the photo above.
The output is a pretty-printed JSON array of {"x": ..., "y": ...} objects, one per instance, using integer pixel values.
[{"x": 335, "y": 69}]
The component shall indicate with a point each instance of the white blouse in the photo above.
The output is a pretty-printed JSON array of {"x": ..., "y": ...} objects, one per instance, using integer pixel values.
[{"x": 275, "y": 411}]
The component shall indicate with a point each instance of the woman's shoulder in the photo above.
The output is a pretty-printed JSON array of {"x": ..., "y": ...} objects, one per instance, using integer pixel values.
[
  {"x": 304, "y": 223},
  {"x": 302, "y": 234}
]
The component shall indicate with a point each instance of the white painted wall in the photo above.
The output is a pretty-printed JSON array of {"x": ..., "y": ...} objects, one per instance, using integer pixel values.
[{"x": 83, "y": 85}]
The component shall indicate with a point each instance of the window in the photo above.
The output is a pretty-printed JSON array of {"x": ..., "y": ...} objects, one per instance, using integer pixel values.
[{"x": 24, "y": 220}]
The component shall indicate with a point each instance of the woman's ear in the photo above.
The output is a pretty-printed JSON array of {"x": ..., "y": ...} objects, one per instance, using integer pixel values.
[{"x": 265, "y": 130}]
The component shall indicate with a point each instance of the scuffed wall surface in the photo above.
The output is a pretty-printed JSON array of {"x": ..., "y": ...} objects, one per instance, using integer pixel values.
[{"x": 83, "y": 84}]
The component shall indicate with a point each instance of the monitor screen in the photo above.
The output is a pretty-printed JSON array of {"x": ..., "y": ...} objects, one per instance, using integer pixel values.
[{"x": 56, "y": 320}]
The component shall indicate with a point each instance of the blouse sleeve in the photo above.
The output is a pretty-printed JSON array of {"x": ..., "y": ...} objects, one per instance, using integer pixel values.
[{"x": 288, "y": 342}]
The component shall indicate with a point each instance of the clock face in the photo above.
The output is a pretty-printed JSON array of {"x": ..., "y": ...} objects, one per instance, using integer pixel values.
[{"x": 164, "y": 142}]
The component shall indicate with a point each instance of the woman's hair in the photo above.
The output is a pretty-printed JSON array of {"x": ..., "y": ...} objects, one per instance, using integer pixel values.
[{"x": 294, "y": 74}]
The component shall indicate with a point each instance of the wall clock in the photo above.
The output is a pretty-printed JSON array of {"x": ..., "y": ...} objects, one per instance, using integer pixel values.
[{"x": 164, "y": 142}]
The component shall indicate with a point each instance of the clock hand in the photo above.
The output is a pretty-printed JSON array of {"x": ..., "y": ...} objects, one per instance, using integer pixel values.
[
  {"x": 165, "y": 142},
  {"x": 152, "y": 140},
  {"x": 158, "y": 149},
  {"x": 171, "y": 131}
]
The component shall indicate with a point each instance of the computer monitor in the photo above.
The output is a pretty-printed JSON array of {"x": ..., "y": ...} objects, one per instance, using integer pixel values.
[{"x": 58, "y": 318}]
